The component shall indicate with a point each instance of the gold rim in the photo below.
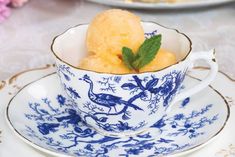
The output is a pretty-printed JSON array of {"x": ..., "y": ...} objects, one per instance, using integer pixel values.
[
  {"x": 177, "y": 31},
  {"x": 53, "y": 152},
  {"x": 14, "y": 77},
  {"x": 226, "y": 75},
  {"x": 2, "y": 84},
  {"x": 29, "y": 142},
  {"x": 227, "y": 118}
]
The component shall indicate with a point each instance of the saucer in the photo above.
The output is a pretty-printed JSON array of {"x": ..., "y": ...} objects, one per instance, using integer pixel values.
[
  {"x": 42, "y": 115},
  {"x": 186, "y": 4}
]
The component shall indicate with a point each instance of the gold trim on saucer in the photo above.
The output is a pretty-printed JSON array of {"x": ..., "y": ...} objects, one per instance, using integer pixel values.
[
  {"x": 2, "y": 84},
  {"x": 230, "y": 151},
  {"x": 14, "y": 77},
  {"x": 225, "y": 101},
  {"x": 230, "y": 101},
  {"x": 206, "y": 68},
  {"x": 51, "y": 152}
]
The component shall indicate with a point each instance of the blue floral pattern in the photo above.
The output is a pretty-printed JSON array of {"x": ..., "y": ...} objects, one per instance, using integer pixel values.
[
  {"x": 106, "y": 97},
  {"x": 120, "y": 97},
  {"x": 65, "y": 71},
  {"x": 100, "y": 107},
  {"x": 150, "y": 34},
  {"x": 60, "y": 127}
]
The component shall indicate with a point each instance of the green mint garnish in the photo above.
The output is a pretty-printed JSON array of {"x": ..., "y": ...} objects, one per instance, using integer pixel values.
[
  {"x": 128, "y": 57},
  {"x": 144, "y": 55}
]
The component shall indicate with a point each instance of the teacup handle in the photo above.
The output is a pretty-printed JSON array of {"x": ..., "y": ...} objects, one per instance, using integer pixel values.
[{"x": 209, "y": 58}]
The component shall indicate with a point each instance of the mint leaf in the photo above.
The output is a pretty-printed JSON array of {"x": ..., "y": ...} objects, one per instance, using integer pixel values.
[
  {"x": 147, "y": 52},
  {"x": 128, "y": 57},
  {"x": 144, "y": 55}
]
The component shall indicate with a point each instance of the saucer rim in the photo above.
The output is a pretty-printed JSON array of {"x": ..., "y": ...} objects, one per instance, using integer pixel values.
[{"x": 52, "y": 152}]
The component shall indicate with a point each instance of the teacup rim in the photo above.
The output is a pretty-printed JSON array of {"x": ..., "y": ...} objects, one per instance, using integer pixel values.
[
  {"x": 52, "y": 73},
  {"x": 82, "y": 24}
]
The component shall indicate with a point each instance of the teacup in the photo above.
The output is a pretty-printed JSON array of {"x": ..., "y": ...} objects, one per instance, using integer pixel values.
[{"x": 127, "y": 104}]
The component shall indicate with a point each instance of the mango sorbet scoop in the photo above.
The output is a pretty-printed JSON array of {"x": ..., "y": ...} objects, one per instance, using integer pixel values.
[
  {"x": 107, "y": 34},
  {"x": 111, "y": 30}
]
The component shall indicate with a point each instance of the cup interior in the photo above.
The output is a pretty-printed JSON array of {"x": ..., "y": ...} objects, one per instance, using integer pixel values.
[{"x": 70, "y": 47}]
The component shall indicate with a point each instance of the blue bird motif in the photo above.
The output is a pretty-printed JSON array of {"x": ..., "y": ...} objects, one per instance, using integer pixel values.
[{"x": 106, "y": 100}]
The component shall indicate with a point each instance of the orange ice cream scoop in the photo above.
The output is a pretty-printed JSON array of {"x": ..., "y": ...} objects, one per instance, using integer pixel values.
[
  {"x": 163, "y": 59},
  {"x": 99, "y": 64},
  {"x": 110, "y": 30}
]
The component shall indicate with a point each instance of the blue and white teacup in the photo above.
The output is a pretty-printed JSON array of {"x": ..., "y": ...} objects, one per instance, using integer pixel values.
[{"x": 126, "y": 104}]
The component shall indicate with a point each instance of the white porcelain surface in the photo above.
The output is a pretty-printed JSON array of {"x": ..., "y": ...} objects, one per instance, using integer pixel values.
[
  {"x": 70, "y": 46},
  {"x": 162, "y": 5},
  {"x": 47, "y": 119},
  {"x": 222, "y": 146},
  {"x": 126, "y": 104}
]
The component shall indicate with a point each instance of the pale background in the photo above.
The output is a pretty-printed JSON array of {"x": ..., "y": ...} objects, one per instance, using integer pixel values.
[{"x": 26, "y": 36}]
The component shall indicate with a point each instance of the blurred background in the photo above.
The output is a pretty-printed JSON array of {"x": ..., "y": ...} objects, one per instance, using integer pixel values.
[{"x": 28, "y": 27}]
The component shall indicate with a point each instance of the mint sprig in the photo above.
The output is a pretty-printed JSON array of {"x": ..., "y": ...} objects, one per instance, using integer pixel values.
[
  {"x": 128, "y": 57},
  {"x": 144, "y": 55}
]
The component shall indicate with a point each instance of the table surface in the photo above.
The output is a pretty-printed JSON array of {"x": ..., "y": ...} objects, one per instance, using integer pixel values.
[{"x": 25, "y": 38}]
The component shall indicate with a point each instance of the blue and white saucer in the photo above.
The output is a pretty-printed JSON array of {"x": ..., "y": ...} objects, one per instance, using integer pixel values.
[{"x": 43, "y": 116}]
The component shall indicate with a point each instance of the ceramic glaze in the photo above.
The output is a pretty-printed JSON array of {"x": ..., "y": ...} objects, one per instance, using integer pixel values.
[
  {"x": 52, "y": 123},
  {"x": 122, "y": 105},
  {"x": 184, "y": 4}
]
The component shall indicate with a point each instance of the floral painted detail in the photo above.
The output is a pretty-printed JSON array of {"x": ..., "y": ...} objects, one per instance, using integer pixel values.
[
  {"x": 149, "y": 90},
  {"x": 230, "y": 101},
  {"x": 174, "y": 147},
  {"x": 107, "y": 83},
  {"x": 105, "y": 97},
  {"x": 72, "y": 92},
  {"x": 151, "y": 34},
  {"x": 185, "y": 102},
  {"x": 152, "y": 92},
  {"x": 184, "y": 125},
  {"x": 60, "y": 126},
  {"x": 228, "y": 152},
  {"x": 65, "y": 71},
  {"x": 61, "y": 99}
]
